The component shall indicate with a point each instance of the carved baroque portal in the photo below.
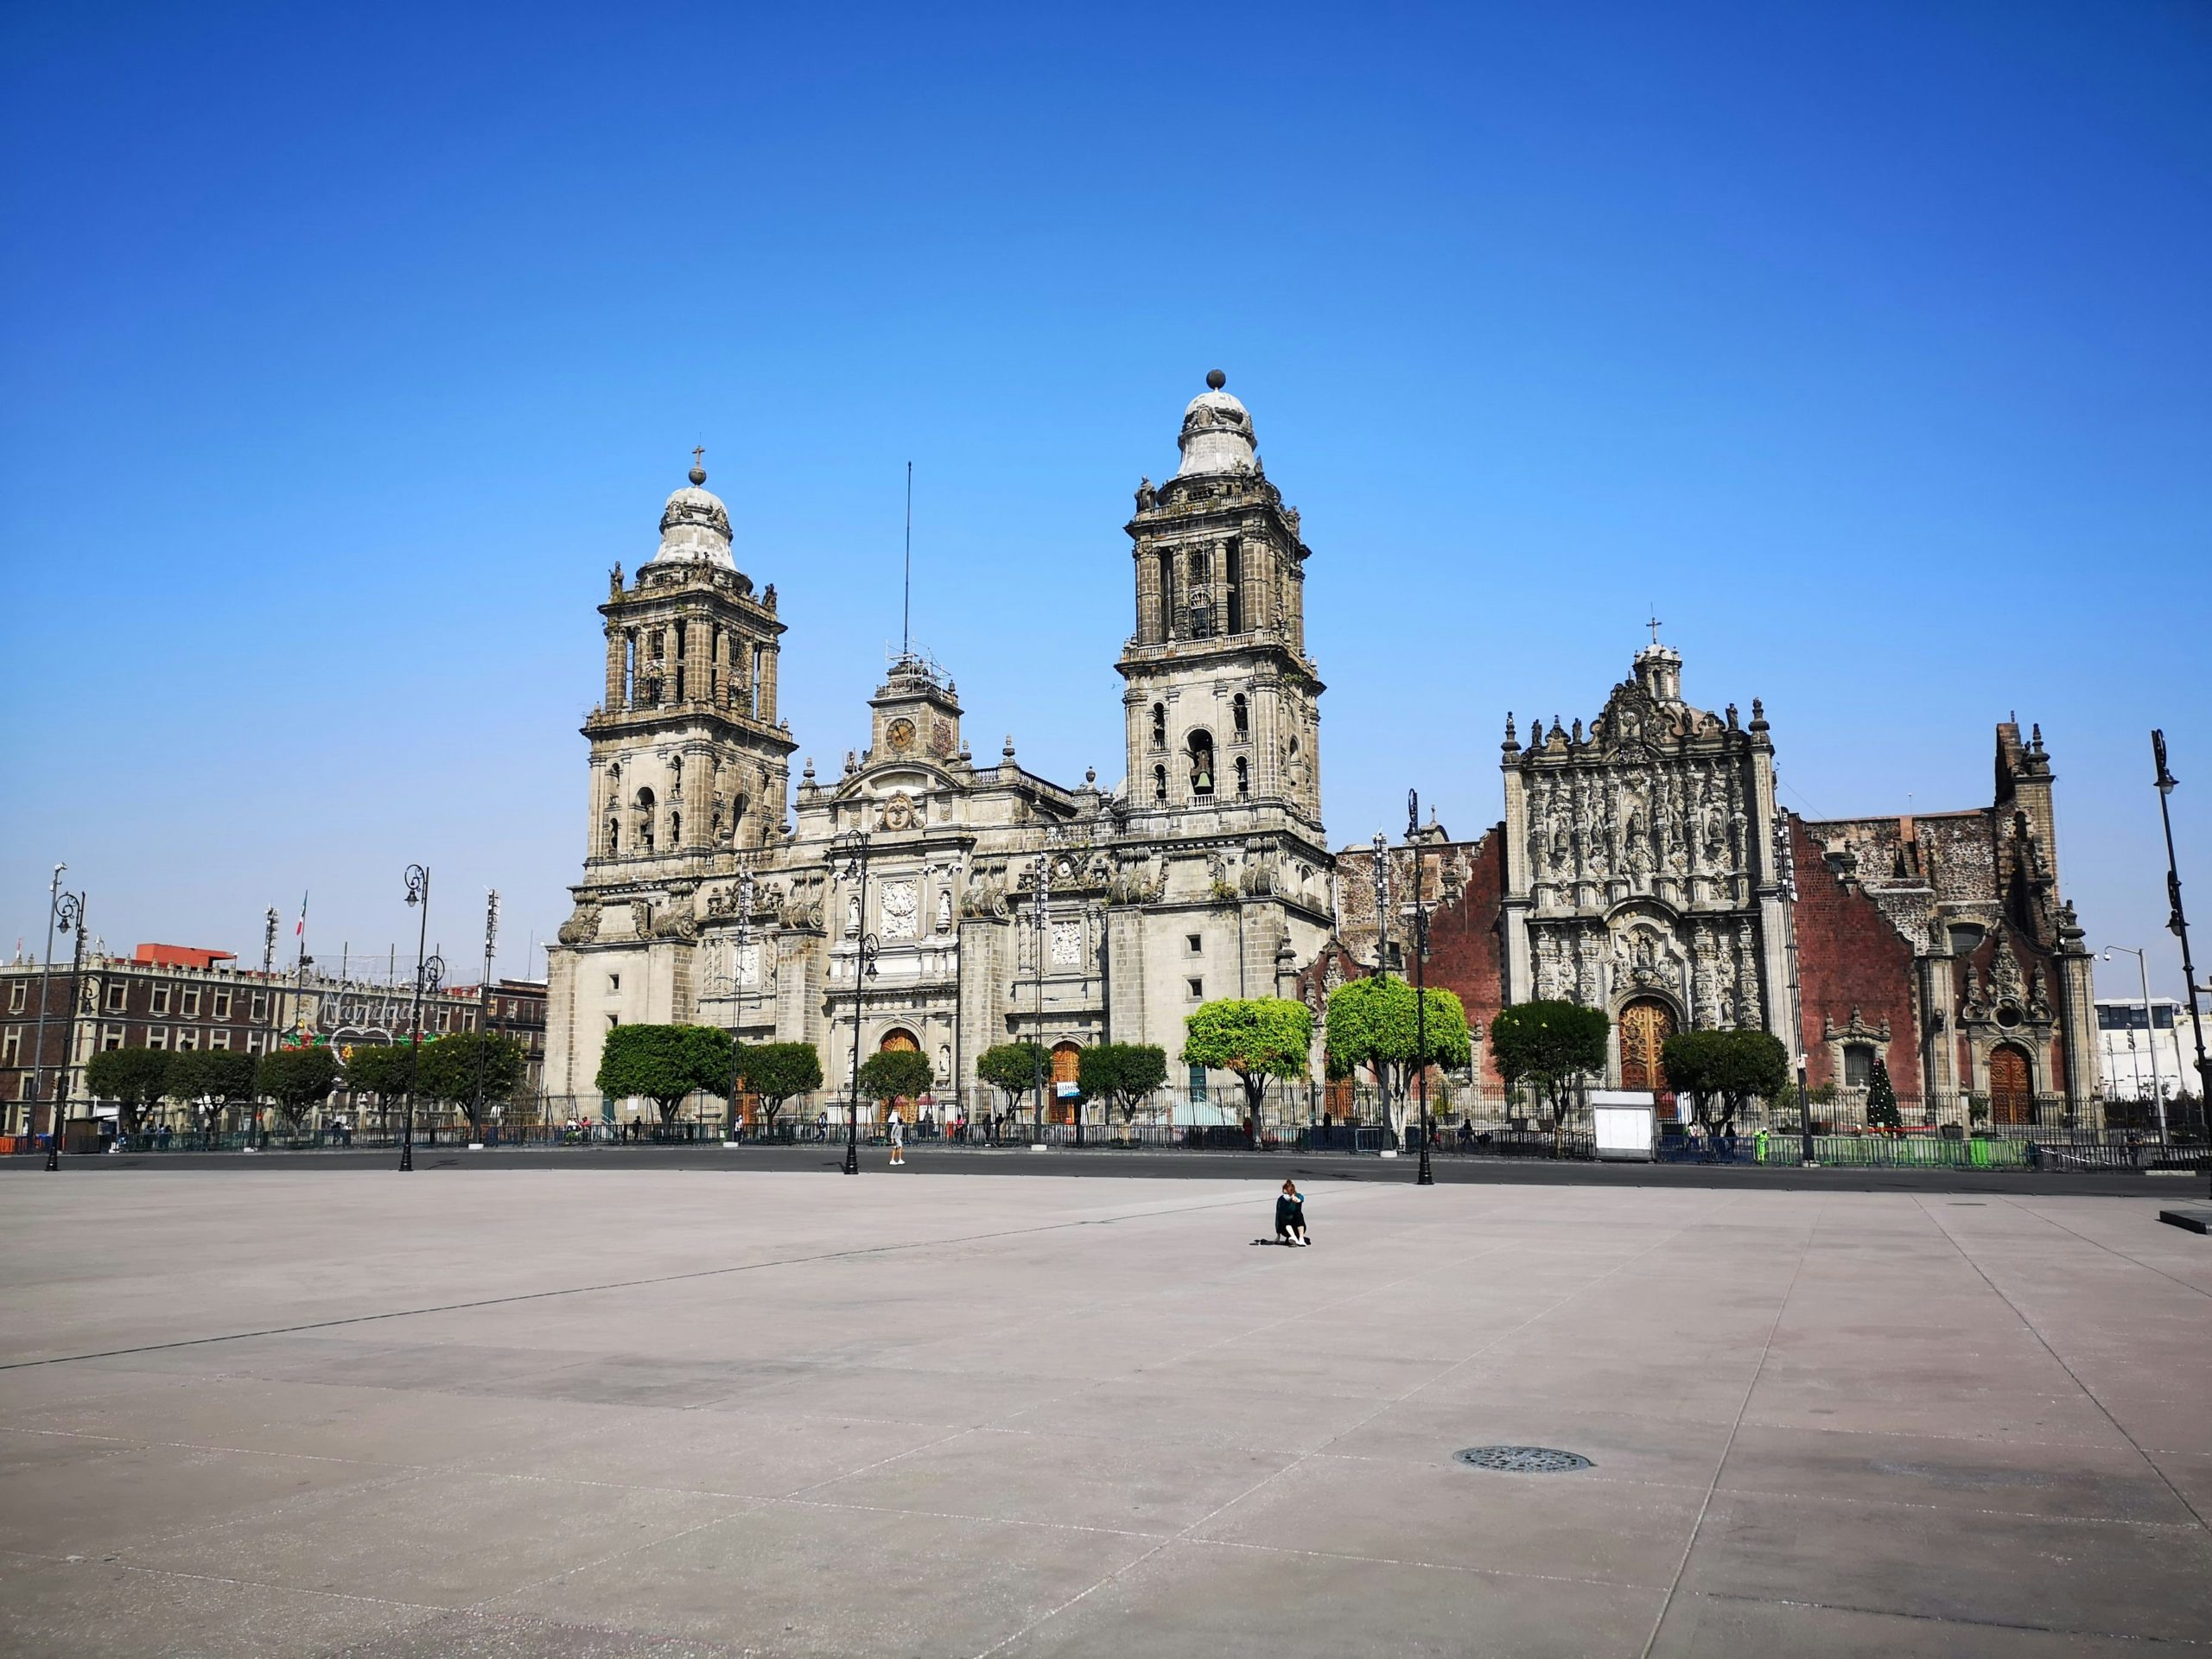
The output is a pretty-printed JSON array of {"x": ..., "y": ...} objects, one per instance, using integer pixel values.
[{"x": 1637, "y": 853}]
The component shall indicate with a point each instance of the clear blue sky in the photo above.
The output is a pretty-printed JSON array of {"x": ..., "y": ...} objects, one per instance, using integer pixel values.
[{"x": 347, "y": 348}]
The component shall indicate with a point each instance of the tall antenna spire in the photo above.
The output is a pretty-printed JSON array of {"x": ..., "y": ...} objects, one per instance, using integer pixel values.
[{"x": 907, "y": 597}]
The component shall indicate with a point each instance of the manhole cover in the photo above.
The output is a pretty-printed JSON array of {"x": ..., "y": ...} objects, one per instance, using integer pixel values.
[{"x": 1522, "y": 1459}]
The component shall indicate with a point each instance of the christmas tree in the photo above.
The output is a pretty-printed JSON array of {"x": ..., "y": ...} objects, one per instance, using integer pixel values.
[{"x": 1882, "y": 1099}]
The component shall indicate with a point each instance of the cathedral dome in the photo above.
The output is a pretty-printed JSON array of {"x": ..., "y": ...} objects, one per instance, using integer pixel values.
[
  {"x": 694, "y": 525},
  {"x": 1217, "y": 436}
]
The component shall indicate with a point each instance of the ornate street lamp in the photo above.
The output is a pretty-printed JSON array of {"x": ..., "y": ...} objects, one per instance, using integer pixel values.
[
  {"x": 45, "y": 978},
  {"x": 854, "y": 842},
  {"x": 1381, "y": 958},
  {"x": 66, "y": 912},
  {"x": 733, "y": 982},
  {"x": 1427, "y": 1176},
  {"x": 1038, "y": 913},
  {"x": 483, "y": 1002},
  {"x": 429, "y": 972}
]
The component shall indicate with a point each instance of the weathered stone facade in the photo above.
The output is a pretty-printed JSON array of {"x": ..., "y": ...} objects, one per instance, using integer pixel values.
[
  {"x": 1207, "y": 874},
  {"x": 1644, "y": 867}
]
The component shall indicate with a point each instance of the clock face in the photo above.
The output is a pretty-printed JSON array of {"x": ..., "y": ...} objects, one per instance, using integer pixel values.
[{"x": 900, "y": 734}]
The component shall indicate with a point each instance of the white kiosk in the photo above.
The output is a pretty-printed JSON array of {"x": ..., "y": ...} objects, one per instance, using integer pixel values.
[{"x": 1626, "y": 1123}]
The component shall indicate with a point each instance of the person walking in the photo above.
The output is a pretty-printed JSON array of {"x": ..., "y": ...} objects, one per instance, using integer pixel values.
[
  {"x": 897, "y": 1140},
  {"x": 1290, "y": 1216}
]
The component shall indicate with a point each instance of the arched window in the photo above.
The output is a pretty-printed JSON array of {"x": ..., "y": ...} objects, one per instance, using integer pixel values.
[
  {"x": 737, "y": 815},
  {"x": 1201, "y": 618},
  {"x": 676, "y": 828},
  {"x": 1240, "y": 716},
  {"x": 1160, "y": 785},
  {"x": 1243, "y": 779},
  {"x": 1158, "y": 725},
  {"x": 1201, "y": 756},
  {"x": 613, "y": 834},
  {"x": 646, "y": 820}
]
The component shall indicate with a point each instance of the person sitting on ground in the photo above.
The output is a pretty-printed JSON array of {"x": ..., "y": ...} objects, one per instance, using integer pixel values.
[{"x": 1290, "y": 1215}]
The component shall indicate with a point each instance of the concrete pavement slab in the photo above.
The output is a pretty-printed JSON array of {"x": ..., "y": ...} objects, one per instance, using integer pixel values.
[
  {"x": 594, "y": 1410},
  {"x": 59, "y": 1609}
]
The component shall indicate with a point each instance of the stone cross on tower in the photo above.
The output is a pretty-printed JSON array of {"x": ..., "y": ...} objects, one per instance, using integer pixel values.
[{"x": 1653, "y": 624}]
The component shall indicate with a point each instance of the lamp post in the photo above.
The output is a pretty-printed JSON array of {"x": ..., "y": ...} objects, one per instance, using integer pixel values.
[
  {"x": 418, "y": 897},
  {"x": 1427, "y": 1176},
  {"x": 2150, "y": 1033},
  {"x": 736, "y": 977},
  {"x": 1382, "y": 845},
  {"x": 2177, "y": 921},
  {"x": 45, "y": 979},
  {"x": 67, "y": 913},
  {"x": 1039, "y": 910},
  {"x": 1786, "y": 867},
  {"x": 484, "y": 1001},
  {"x": 268, "y": 989},
  {"x": 854, "y": 842}
]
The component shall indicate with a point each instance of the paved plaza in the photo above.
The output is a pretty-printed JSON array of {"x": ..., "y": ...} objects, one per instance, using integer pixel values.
[{"x": 683, "y": 1411}]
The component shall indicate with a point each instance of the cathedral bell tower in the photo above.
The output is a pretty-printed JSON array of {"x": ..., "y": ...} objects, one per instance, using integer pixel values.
[
  {"x": 1223, "y": 705},
  {"x": 688, "y": 759}
]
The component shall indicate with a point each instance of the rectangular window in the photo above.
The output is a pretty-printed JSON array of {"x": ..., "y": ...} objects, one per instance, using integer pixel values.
[
  {"x": 112, "y": 1038},
  {"x": 1196, "y": 944},
  {"x": 260, "y": 1006},
  {"x": 16, "y": 997},
  {"x": 191, "y": 1005},
  {"x": 253, "y": 1042},
  {"x": 614, "y": 981},
  {"x": 2164, "y": 1018},
  {"x": 159, "y": 1002},
  {"x": 186, "y": 1039},
  {"x": 613, "y": 1020},
  {"x": 1198, "y": 1082},
  {"x": 115, "y": 995},
  {"x": 219, "y": 1040},
  {"x": 158, "y": 1036},
  {"x": 222, "y": 1005},
  {"x": 1858, "y": 1066},
  {"x": 9, "y": 1047},
  {"x": 1198, "y": 987}
]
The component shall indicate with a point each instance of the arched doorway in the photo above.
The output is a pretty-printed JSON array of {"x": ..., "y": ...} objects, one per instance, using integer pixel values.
[
  {"x": 900, "y": 1041},
  {"x": 1646, "y": 1024},
  {"x": 2011, "y": 1085},
  {"x": 1064, "y": 1061}
]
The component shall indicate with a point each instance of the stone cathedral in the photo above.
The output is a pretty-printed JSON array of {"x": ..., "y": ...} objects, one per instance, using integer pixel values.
[
  {"x": 991, "y": 904},
  {"x": 921, "y": 898}
]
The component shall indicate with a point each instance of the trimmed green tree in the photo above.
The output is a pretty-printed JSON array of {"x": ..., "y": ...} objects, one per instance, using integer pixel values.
[
  {"x": 386, "y": 1069},
  {"x": 773, "y": 1072},
  {"x": 1882, "y": 1099},
  {"x": 663, "y": 1064},
  {"x": 1378, "y": 1023},
  {"x": 1547, "y": 1046},
  {"x": 296, "y": 1079},
  {"x": 448, "y": 1070},
  {"x": 216, "y": 1075},
  {"x": 1011, "y": 1068},
  {"x": 1725, "y": 1069},
  {"x": 1257, "y": 1038},
  {"x": 896, "y": 1074},
  {"x": 1121, "y": 1074},
  {"x": 134, "y": 1078}
]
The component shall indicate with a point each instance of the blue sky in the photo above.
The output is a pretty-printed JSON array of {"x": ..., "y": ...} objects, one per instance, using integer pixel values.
[{"x": 348, "y": 347}]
